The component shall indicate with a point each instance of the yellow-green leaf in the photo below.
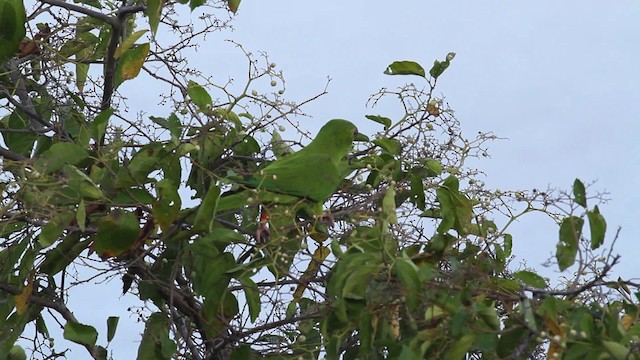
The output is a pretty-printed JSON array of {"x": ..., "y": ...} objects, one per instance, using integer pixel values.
[
  {"x": 233, "y": 5},
  {"x": 131, "y": 62},
  {"x": 154, "y": 10},
  {"x": 22, "y": 299},
  {"x": 128, "y": 43}
]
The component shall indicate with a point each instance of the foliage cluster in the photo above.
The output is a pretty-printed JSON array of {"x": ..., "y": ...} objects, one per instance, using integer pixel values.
[{"x": 409, "y": 258}]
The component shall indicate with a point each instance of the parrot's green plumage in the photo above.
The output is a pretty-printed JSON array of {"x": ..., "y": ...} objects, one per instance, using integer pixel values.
[{"x": 313, "y": 173}]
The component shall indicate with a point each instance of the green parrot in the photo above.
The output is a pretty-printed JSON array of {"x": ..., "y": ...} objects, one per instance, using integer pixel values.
[{"x": 313, "y": 173}]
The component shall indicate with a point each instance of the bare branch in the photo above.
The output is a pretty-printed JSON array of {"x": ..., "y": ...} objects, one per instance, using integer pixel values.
[{"x": 55, "y": 305}]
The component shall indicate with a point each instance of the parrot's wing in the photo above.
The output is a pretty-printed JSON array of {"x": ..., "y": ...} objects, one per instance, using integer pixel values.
[
  {"x": 306, "y": 174},
  {"x": 248, "y": 197},
  {"x": 313, "y": 173}
]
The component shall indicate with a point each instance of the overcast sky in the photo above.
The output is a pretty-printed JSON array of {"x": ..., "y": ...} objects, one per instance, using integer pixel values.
[{"x": 559, "y": 79}]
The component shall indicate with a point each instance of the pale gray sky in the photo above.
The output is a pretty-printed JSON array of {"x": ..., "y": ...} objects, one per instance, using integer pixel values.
[{"x": 560, "y": 80}]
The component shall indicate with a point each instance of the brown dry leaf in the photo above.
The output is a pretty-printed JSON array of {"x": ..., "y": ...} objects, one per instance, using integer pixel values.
[
  {"x": 432, "y": 108},
  {"x": 627, "y": 321}
]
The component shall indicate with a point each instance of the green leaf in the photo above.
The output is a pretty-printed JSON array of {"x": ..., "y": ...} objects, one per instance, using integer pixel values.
[
  {"x": 80, "y": 334},
  {"x": 207, "y": 209},
  {"x": 616, "y": 350},
  {"x": 167, "y": 208},
  {"x": 447, "y": 210},
  {"x": 417, "y": 192},
  {"x": 380, "y": 119},
  {"x": 579, "y": 194},
  {"x": 456, "y": 209},
  {"x": 94, "y": 3},
  {"x": 41, "y": 327},
  {"x": 434, "y": 167},
  {"x": 531, "y": 279},
  {"x": 175, "y": 128},
  {"x": 17, "y": 353},
  {"x": 243, "y": 352},
  {"x": 510, "y": 341},
  {"x": 247, "y": 147},
  {"x": 72, "y": 47},
  {"x": 128, "y": 43},
  {"x": 508, "y": 244},
  {"x": 279, "y": 147},
  {"x": 405, "y": 68},
  {"x": 132, "y": 196},
  {"x": 233, "y": 5},
  {"x": 112, "y": 325},
  {"x": 199, "y": 96},
  {"x": 99, "y": 124},
  {"x": 598, "y": 227},
  {"x": 489, "y": 315},
  {"x": 527, "y": 312},
  {"x": 52, "y": 230},
  {"x": 82, "y": 71},
  {"x": 156, "y": 344},
  {"x": 80, "y": 185},
  {"x": 460, "y": 347},
  {"x": 392, "y": 146},
  {"x": 90, "y": 41},
  {"x": 131, "y": 62},
  {"x": 440, "y": 66},
  {"x": 567, "y": 247},
  {"x": 117, "y": 232},
  {"x": 154, "y": 11},
  {"x": 389, "y": 206},
  {"x": 12, "y": 29},
  {"x": 252, "y": 296},
  {"x": 58, "y": 155},
  {"x": 18, "y": 142},
  {"x": 452, "y": 183},
  {"x": 407, "y": 272},
  {"x": 208, "y": 268},
  {"x": 63, "y": 254},
  {"x": 195, "y": 3},
  {"x": 143, "y": 162}
]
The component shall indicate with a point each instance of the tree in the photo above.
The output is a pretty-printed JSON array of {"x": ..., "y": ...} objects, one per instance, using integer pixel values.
[{"x": 408, "y": 259}]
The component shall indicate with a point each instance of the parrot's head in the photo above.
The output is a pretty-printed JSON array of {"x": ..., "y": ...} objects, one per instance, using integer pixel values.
[
  {"x": 342, "y": 129},
  {"x": 337, "y": 136}
]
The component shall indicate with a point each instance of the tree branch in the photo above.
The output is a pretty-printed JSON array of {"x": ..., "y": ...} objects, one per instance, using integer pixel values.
[
  {"x": 10, "y": 155},
  {"x": 55, "y": 305},
  {"x": 82, "y": 10},
  {"x": 26, "y": 105}
]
